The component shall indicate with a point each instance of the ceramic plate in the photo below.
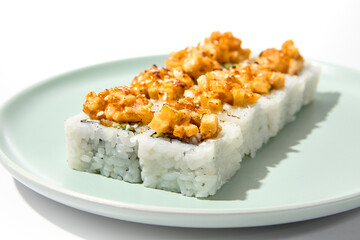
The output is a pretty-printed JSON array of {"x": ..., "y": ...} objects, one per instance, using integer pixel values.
[{"x": 309, "y": 170}]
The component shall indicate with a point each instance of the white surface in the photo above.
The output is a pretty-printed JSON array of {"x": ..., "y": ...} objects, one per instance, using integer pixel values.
[{"x": 40, "y": 39}]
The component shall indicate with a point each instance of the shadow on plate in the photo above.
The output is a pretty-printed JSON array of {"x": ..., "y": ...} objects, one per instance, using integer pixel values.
[
  {"x": 89, "y": 226},
  {"x": 252, "y": 171}
]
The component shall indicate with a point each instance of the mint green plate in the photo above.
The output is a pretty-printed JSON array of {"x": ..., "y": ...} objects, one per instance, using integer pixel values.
[{"x": 310, "y": 169}]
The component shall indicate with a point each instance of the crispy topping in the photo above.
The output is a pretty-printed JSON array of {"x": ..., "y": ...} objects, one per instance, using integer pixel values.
[
  {"x": 193, "y": 61},
  {"x": 216, "y": 50},
  {"x": 209, "y": 126},
  {"x": 286, "y": 60},
  {"x": 259, "y": 80},
  {"x": 223, "y": 74},
  {"x": 191, "y": 109},
  {"x": 162, "y": 83},
  {"x": 228, "y": 87},
  {"x": 239, "y": 86},
  {"x": 224, "y": 48},
  {"x": 120, "y": 104},
  {"x": 185, "y": 122},
  {"x": 166, "y": 119}
]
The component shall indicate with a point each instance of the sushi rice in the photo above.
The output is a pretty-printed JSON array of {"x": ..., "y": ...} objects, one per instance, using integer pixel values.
[{"x": 135, "y": 155}]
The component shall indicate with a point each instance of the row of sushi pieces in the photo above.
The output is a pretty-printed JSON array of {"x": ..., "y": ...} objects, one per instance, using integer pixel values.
[
  {"x": 194, "y": 87},
  {"x": 185, "y": 127}
]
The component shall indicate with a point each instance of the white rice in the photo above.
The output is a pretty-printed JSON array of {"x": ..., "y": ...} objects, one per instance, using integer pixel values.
[
  {"x": 192, "y": 170},
  {"x": 94, "y": 148}
]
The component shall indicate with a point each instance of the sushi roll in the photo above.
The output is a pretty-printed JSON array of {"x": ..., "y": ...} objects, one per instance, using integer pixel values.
[
  {"x": 200, "y": 170},
  {"x": 186, "y": 127},
  {"x": 109, "y": 151}
]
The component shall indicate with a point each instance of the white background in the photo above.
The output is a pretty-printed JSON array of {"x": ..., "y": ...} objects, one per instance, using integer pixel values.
[{"x": 40, "y": 39}]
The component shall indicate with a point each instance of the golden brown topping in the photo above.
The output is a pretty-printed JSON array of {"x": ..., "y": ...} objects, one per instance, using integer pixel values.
[
  {"x": 243, "y": 97},
  {"x": 208, "y": 56},
  {"x": 120, "y": 104},
  {"x": 190, "y": 110},
  {"x": 286, "y": 60},
  {"x": 185, "y": 131},
  {"x": 276, "y": 80},
  {"x": 238, "y": 86},
  {"x": 162, "y": 83},
  {"x": 166, "y": 119},
  {"x": 256, "y": 78},
  {"x": 209, "y": 126},
  {"x": 193, "y": 61},
  {"x": 184, "y": 120},
  {"x": 224, "y": 48},
  {"x": 210, "y": 101},
  {"x": 218, "y": 84},
  {"x": 234, "y": 88}
]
